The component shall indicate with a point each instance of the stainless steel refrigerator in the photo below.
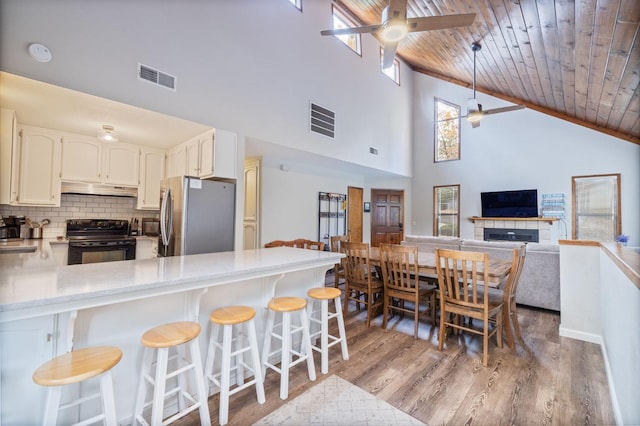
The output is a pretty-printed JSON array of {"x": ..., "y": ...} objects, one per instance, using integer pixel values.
[{"x": 196, "y": 216}]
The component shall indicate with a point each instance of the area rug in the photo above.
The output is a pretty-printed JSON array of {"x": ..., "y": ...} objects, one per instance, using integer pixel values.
[{"x": 336, "y": 402}]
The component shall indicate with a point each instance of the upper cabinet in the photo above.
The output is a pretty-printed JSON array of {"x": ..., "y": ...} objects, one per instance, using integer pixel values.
[
  {"x": 86, "y": 159},
  {"x": 152, "y": 166},
  {"x": 38, "y": 174},
  {"x": 211, "y": 154}
]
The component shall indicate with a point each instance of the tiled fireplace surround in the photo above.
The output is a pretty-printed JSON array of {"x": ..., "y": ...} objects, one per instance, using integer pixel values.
[
  {"x": 75, "y": 206},
  {"x": 543, "y": 227}
]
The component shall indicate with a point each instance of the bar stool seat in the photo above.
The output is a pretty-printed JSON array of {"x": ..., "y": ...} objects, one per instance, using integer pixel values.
[
  {"x": 161, "y": 339},
  {"x": 76, "y": 367},
  {"x": 225, "y": 318},
  {"x": 323, "y": 295},
  {"x": 286, "y": 306}
]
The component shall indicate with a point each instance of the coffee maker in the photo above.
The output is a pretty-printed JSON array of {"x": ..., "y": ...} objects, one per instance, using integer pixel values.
[{"x": 10, "y": 227}]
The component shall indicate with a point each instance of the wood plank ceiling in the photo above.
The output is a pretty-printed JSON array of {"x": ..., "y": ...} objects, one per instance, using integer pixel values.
[{"x": 578, "y": 60}]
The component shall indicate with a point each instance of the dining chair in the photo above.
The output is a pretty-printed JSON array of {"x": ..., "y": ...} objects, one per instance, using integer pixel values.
[
  {"x": 361, "y": 285},
  {"x": 399, "y": 264},
  {"x": 274, "y": 243},
  {"x": 315, "y": 245},
  {"x": 461, "y": 274},
  {"x": 508, "y": 296},
  {"x": 338, "y": 269}
]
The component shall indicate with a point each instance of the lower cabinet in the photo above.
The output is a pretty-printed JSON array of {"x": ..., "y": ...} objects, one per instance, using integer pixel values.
[{"x": 146, "y": 248}]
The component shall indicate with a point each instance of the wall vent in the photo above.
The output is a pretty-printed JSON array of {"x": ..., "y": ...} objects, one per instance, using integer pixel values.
[
  {"x": 157, "y": 77},
  {"x": 373, "y": 150},
  {"x": 322, "y": 121}
]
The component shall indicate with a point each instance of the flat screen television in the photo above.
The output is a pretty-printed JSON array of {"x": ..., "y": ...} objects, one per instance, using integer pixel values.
[{"x": 522, "y": 203}]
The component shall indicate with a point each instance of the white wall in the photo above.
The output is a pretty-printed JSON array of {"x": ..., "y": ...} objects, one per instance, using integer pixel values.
[
  {"x": 246, "y": 66},
  {"x": 515, "y": 150}
]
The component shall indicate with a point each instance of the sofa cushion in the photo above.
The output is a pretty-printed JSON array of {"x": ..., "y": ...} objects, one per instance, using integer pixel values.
[{"x": 497, "y": 249}]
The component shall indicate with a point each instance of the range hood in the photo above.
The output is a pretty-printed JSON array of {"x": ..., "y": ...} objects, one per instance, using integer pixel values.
[{"x": 98, "y": 189}]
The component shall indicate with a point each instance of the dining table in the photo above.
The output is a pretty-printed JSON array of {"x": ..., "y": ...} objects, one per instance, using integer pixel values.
[{"x": 499, "y": 270}]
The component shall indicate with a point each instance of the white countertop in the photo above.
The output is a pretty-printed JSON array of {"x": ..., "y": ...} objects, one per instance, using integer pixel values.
[{"x": 31, "y": 291}]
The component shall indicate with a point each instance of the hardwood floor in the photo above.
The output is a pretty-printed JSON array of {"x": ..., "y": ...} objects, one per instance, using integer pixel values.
[{"x": 548, "y": 379}]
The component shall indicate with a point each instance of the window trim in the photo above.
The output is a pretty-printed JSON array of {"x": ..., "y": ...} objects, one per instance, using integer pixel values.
[
  {"x": 435, "y": 129},
  {"x": 395, "y": 67},
  {"x": 436, "y": 212},
  {"x": 351, "y": 21},
  {"x": 617, "y": 213}
]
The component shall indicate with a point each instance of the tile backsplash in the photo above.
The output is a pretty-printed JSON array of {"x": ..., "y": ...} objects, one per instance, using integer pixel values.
[{"x": 74, "y": 206}]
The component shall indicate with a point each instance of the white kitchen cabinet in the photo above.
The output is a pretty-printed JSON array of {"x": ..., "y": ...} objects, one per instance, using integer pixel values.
[
  {"x": 211, "y": 154},
  {"x": 86, "y": 159},
  {"x": 120, "y": 163},
  {"x": 177, "y": 161},
  {"x": 25, "y": 345},
  {"x": 8, "y": 173},
  {"x": 225, "y": 155},
  {"x": 38, "y": 173},
  {"x": 152, "y": 168},
  {"x": 81, "y": 159},
  {"x": 146, "y": 248}
]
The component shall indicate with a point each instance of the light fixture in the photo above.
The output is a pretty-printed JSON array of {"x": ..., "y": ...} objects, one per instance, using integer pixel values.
[
  {"x": 107, "y": 134},
  {"x": 394, "y": 31}
]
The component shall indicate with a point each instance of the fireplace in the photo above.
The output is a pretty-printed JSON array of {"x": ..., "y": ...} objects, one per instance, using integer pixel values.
[{"x": 511, "y": 234}]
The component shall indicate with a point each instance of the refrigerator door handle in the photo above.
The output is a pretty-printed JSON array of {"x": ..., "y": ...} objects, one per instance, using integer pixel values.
[{"x": 164, "y": 229}]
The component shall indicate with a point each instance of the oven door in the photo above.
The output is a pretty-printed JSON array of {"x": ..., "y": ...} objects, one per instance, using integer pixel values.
[{"x": 101, "y": 251}]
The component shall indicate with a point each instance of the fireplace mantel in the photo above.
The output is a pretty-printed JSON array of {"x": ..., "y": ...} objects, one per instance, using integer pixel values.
[
  {"x": 549, "y": 220},
  {"x": 542, "y": 224}
]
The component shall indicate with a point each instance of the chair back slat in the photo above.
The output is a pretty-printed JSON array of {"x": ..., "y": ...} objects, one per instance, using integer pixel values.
[
  {"x": 356, "y": 263},
  {"x": 462, "y": 274},
  {"x": 399, "y": 266}
]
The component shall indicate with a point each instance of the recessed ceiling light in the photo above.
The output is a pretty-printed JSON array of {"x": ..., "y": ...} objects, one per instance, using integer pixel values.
[{"x": 39, "y": 52}]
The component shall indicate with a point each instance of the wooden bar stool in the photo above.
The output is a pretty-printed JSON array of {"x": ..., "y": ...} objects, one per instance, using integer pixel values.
[
  {"x": 163, "y": 338},
  {"x": 225, "y": 318},
  {"x": 76, "y": 367},
  {"x": 324, "y": 295},
  {"x": 286, "y": 306}
]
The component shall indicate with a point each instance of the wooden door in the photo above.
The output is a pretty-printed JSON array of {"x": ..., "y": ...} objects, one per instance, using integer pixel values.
[
  {"x": 354, "y": 213},
  {"x": 387, "y": 216}
]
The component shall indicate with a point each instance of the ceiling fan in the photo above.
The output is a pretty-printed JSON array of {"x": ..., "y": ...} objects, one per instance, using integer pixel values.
[
  {"x": 474, "y": 109},
  {"x": 395, "y": 26}
]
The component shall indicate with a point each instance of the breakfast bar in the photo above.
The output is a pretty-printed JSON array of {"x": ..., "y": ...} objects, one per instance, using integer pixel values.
[{"x": 46, "y": 310}]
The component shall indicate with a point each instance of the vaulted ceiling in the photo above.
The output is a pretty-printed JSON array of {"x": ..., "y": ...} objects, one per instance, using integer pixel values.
[{"x": 578, "y": 60}]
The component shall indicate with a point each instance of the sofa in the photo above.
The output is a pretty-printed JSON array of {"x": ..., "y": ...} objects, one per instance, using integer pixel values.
[{"x": 539, "y": 284}]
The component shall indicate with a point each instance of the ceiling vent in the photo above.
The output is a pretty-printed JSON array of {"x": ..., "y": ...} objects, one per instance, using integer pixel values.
[
  {"x": 157, "y": 77},
  {"x": 322, "y": 121}
]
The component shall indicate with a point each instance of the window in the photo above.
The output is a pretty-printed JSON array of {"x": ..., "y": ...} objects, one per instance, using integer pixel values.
[
  {"x": 341, "y": 20},
  {"x": 393, "y": 72},
  {"x": 447, "y": 137},
  {"x": 596, "y": 207},
  {"x": 446, "y": 211},
  {"x": 297, "y": 4}
]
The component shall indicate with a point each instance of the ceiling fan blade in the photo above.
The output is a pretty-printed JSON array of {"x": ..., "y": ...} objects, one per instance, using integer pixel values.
[
  {"x": 352, "y": 30},
  {"x": 440, "y": 22},
  {"x": 397, "y": 9},
  {"x": 389, "y": 54},
  {"x": 504, "y": 109}
]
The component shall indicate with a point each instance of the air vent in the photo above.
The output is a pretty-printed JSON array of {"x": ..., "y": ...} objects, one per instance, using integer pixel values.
[
  {"x": 157, "y": 77},
  {"x": 373, "y": 150},
  {"x": 323, "y": 121}
]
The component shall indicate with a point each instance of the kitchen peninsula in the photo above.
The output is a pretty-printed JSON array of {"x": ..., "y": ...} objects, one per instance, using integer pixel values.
[{"x": 46, "y": 310}]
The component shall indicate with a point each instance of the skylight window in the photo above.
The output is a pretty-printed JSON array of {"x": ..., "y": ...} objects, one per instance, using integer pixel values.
[
  {"x": 341, "y": 20},
  {"x": 393, "y": 72}
]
